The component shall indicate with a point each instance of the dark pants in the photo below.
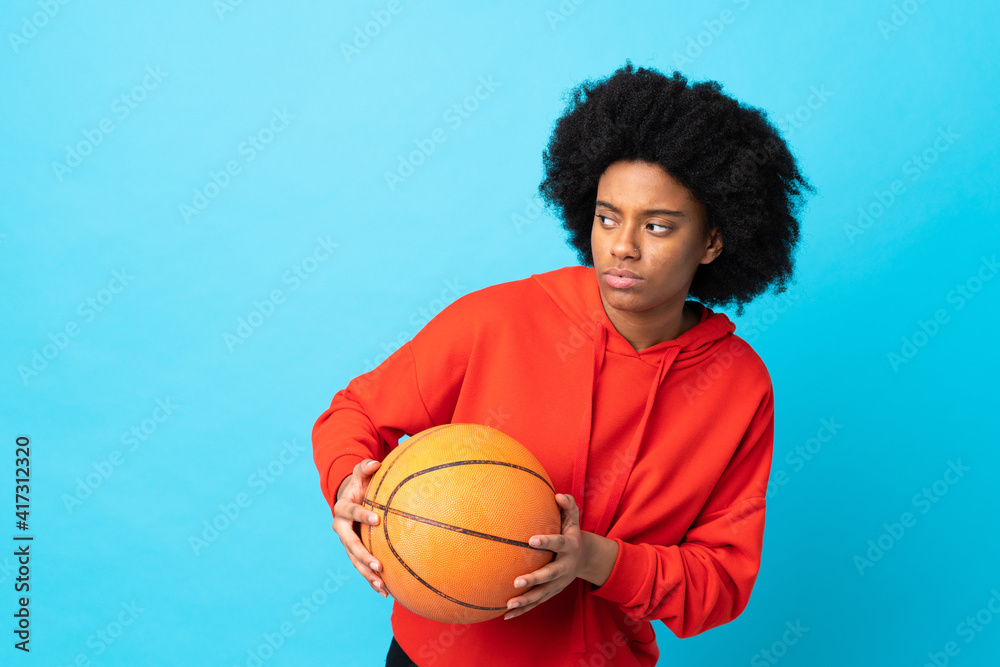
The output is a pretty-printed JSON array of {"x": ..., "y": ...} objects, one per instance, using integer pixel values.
[{"x": 397, "y": 656}]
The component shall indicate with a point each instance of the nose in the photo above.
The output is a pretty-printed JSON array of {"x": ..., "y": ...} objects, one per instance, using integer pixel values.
[{"x": 624, "y": 243}]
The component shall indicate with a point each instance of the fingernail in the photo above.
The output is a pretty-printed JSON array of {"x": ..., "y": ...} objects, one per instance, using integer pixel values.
[
  {"x": 373, "y": 520},
  {"x": 512, "y": 605},
  {"x": 519, "y": 584},
  {"x": 534, "y": 541},
  {"x": 507, "y": 617},
  {"x": 373, "y": 565}
]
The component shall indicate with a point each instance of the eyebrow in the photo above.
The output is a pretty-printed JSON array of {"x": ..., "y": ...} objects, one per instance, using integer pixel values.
[{"x": 652, "y": 211}]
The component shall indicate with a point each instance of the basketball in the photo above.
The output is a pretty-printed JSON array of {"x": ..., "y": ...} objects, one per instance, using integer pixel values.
[{"x": 457, "y": 504}]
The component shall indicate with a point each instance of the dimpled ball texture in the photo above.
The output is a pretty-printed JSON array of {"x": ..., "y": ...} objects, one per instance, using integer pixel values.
[{"x": 457, "y": 504}]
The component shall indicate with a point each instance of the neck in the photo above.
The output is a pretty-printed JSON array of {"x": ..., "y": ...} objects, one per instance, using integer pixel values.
[{"x": 645, "y": 329}]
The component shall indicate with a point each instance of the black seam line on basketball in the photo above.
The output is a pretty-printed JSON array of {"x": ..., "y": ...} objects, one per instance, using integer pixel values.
[
  {"x": 416, "y": 576},
  {"x": 464, "y": 531},
  {"x": 388, "y": 540},
  {"x": 476, "y": 462},
  {"x": 409, "y": 441},
  {"x": 431, "y": 522},
  {"x": 385, "y": 473}
]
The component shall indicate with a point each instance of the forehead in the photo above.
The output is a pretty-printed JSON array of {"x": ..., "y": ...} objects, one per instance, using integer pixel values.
[{"x": 635, "y": 185}]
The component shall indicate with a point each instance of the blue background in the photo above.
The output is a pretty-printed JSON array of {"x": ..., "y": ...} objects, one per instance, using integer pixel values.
[{"x": 329, "y": 124}]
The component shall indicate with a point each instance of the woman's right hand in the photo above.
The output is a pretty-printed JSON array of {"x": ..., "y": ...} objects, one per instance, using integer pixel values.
[{"x": 349, "y": 509}]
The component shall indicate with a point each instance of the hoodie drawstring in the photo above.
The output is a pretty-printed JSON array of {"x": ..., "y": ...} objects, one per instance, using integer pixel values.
[{"x": 579, "y": 641}]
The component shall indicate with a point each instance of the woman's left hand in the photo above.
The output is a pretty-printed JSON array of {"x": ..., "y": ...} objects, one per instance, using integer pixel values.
[{"x": 560, "y": 573}]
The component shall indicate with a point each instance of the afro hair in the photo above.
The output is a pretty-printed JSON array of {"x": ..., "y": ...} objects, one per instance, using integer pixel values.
[{"x": 731, "y": 158}]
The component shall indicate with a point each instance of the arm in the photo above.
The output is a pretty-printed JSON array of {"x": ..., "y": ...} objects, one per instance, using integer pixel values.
[
  {"x": 368, "y": 417},
  {"x": 705, "y": 581},
  {"x": 599, "y": 561},
  {"x": 343, "y": 485},
  {"x": 366, "y": 420}
]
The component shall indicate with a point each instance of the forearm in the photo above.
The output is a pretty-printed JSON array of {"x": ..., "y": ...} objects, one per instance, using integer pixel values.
[
  {"x": 600, "y": 554},
  {"x": 696, "y": 585},
  {"x": 343, "y": 485}
]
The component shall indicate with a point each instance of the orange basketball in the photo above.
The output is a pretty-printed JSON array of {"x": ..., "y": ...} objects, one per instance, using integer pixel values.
[{"x": 457, "y": 504}]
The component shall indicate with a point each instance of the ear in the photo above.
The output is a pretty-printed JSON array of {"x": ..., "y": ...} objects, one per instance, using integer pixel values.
[{"x": 714, "y": 247}]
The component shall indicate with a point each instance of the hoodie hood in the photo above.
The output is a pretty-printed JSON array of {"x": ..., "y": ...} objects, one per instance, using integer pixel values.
[{"x": 586, "y": 310}]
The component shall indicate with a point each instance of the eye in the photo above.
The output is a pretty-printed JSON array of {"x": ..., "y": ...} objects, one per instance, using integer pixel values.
[
  {"x": 664, "y": 228},
  {"x": 602, "y": 218}
]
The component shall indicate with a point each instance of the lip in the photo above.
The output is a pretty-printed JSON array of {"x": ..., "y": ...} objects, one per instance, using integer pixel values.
[
  {"x": 620, "y": 278},
  {"x": 621, "y": 272}
]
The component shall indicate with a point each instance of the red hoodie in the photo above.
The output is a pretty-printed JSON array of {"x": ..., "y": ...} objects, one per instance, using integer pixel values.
[{"x": 667, "y": 451}]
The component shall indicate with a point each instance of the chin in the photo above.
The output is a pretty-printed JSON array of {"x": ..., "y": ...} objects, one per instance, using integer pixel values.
[{"x": 624, "y": 302}]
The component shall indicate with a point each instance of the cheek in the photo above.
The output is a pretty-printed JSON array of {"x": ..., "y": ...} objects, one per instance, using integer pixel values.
[
  {"x": 596, "y": 245},
  {"x": 671, "y": 269}
]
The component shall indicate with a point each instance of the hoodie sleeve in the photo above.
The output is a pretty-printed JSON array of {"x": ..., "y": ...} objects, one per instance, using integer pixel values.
[
  {"x": 415, "y": 388},
  {"x": 706, "y": 579}
]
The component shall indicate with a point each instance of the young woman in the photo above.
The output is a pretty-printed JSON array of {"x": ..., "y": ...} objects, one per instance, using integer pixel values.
[{"x": 654, "y": 421}]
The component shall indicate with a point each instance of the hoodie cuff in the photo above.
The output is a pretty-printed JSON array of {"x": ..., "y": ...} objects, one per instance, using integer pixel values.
[
  {"x": 627, "y": 576},
  {"x": 342, "y": 466}
]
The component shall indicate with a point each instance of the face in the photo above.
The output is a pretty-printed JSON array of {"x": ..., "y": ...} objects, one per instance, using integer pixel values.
[{"x": 648, "y": 224}]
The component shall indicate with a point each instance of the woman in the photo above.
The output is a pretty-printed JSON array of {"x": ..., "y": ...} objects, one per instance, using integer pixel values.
[{"x": 654, "y": 421}]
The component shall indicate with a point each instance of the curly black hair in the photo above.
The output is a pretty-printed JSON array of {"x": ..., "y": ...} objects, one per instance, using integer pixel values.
[{"x": 732, "y": 159}]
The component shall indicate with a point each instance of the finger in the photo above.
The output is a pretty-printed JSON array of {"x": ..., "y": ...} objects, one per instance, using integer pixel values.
[
  {"x": 514, "y": 613},
  {"x": 568, "y": 504},
  {"x": 347, "y": 508},
  {"x": 366, "y": 571},
  {"x": 528, "y": 601},
  {"x": 373, "y": 579},
  {"x": 540, "y": 576},
  {"x": 565, "y": 500},
  {"x": 363, "y": 473},
  {"x": 366, "y": 468},
  {"x": 355, "y": 547},
  {"x": 557, "y": 543}
]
